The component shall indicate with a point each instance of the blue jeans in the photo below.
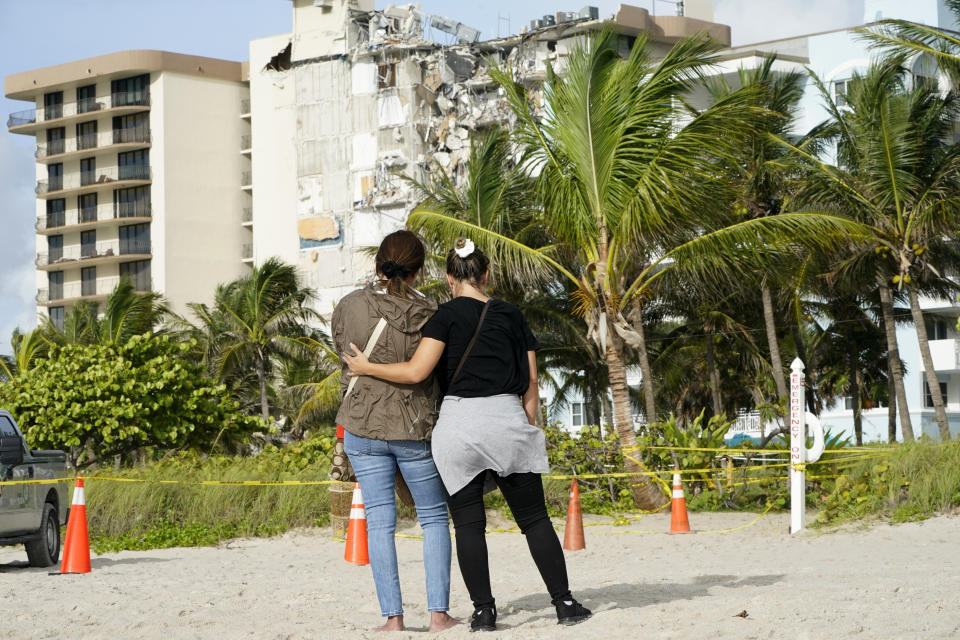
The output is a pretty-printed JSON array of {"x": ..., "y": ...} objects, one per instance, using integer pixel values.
[{"x": 375, "y": 463}]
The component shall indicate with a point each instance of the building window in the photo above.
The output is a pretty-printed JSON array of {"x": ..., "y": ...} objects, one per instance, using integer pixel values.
[
  {"x": 88, "y": 171},
  {"x": 130, "y": 91},
  {"x": 56, "y": 212},
  {"x": 55, "y": 284},
  {"x": 87, "y": 135},
  {"x": 54, "y": 249},
  {"x": 138, "y": 273},
  {"x": 88, "y": 281},
  {"x": 55, "y": 176},
  {"x": 936, "y": 328},
  {"x": 53, "y": 105},
  {"x": 88, "y": 244},
  {"x": 840, "y": 88},
  {"x": 576, "y": 414},
  {"x": 87, "y": 98},
  {"x": 135, "y": 238},
  {"x": 55, "y": 140},
  {"x": 87, "y": 204},
  {"x": 56, "y": 317},
  {"x": 928, "y": 399},
  {"x": 131, "y": 203},
  {"x": 133, "y": 128},
  {"x": 134, "y": 165},
  {"x": 386, "y": 75}
]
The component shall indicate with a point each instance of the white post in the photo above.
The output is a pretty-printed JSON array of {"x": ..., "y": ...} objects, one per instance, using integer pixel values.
[
  {"x": 799, "y": 454},
  {"x": 798, "y": 445}
]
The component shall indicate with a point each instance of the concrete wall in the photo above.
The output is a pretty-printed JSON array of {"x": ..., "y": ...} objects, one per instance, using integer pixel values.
[{"x": 197, "y": 164}]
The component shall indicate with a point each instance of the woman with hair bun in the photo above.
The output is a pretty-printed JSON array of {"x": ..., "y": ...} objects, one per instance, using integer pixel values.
[
  {"x": 388, "y": 426},
  {"x": 485, "y": 359}
]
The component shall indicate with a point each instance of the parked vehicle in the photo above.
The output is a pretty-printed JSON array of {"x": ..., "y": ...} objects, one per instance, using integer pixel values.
[{"x": 31, "y": 514}]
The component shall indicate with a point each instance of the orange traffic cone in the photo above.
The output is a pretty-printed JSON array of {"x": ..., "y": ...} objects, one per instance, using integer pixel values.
[
  {"x": 357, "y": 531},
  {"x": 76, "y": 549},
  {"x": 678, "y": 508},
  {"x": 573, "y": 532}
]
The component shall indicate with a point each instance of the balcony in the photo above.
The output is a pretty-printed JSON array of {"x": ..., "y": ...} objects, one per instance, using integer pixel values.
[
  {"x": 246, "y": 216},
  {"x": 60, "y": 150},
  {"x": 246, "y": 253},
  {"x": 946, "y": 355},
  {"x": 89, "y": 217},
  {"x": 32, "y": 120},
  {"x": 77, "y": 290},
  {"x": 246, "y": 180},
  {"x": 245, "y": 108},
  {"x": 90, "y": 181},
  {"x": 86, "y": 255},
  {"x": 245, "y": 143}
]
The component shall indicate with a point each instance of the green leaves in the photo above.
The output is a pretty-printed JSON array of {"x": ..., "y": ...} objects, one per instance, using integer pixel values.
[{"x": 98, "y": 401}]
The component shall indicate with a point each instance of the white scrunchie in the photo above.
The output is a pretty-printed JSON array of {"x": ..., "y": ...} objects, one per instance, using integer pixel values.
[{"x": 466, "y": 249}]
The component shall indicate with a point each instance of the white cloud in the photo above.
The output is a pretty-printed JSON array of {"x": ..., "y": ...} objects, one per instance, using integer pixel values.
[
  {"x": 17, "y": 279},
  {"x": 762, "y": 20}
]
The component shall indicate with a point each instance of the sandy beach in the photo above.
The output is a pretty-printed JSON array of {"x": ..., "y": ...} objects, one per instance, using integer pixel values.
[{"x": 877, "y": 581}]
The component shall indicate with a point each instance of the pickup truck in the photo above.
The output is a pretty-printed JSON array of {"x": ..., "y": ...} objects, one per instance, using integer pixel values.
[{"x": 31, "y": 514}]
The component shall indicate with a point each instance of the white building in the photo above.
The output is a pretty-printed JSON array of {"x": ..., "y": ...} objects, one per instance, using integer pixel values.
[{"x": 138, "y": 175}]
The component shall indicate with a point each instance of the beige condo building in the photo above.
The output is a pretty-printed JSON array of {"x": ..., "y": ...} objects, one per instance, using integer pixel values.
[{"x": 139, "y": 175}]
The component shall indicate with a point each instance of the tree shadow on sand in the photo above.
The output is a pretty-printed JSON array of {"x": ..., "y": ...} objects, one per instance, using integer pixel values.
[{"x": 633, "y": 595}]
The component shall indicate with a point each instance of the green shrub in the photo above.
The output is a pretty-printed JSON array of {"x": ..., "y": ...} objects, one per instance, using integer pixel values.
[{"x": 913, "y": 482}]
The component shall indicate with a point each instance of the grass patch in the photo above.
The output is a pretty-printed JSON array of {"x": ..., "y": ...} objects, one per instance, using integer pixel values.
[
  {"x": 914, "y": 482},
  {"x": 149, "y": 515}
]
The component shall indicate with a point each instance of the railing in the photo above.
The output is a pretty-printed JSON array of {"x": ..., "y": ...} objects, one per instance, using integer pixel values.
[
  {"x": 245, "y": 142},
  {"x": 246, "y": 215},
  {"x": 100, "y": 213},
  {"x": 95, "y": 177},
  {"x": 79, "y": 289},
  {"x": 102, "y": 249},
  {"x": 86, "y": 105},
  {"x": 92, "y": 141},
  {"x": 246, "y": 179}
]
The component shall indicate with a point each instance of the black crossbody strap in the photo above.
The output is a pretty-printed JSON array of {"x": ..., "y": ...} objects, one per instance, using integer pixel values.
[{"x": 483, "y": 314}]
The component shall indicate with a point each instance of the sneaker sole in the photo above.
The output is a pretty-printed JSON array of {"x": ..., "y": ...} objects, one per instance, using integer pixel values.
[
  {"x": 491, "y": 628},
  {"x": 569, "y": 622}
]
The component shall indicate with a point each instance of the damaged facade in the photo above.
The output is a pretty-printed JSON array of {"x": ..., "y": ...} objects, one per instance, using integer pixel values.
[{"x": 355, "y": 99}]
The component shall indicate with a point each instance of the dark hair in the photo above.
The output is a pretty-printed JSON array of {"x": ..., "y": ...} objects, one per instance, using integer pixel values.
[
  {"x": 400, "y": 254},
  {"x": 469, "y": 269}
]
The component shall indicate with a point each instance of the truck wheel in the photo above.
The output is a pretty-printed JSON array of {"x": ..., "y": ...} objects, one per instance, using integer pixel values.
[{"x": 45, "y": 550}]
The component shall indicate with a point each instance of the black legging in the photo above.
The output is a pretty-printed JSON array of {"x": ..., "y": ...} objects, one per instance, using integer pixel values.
[{"x": 524, "y": 494}]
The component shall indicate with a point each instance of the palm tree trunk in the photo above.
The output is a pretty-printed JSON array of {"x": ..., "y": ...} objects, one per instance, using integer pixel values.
[
  {"x": 775, "y": 362},
  {"x": 853, "y": 360},
  {"x": 894, "y": 366},
  {"x": 262, "y": 379},
  {"x": 649, "y": 398},
  {"x": 891, "y": 411},
  {"x": 714, "y": 377},
  {"x": 939, "y": 410},
  {"x": 646, "y": 493}
]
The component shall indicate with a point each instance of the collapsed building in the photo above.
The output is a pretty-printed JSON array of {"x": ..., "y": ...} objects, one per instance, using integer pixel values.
[{"x": 355, "y": 100}]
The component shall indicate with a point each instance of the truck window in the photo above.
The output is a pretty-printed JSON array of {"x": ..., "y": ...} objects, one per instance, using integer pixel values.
[{"x": 6, "y": 428}]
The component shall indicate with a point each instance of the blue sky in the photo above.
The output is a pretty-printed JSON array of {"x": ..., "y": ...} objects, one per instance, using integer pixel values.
[{"x": 38, "y": 33}]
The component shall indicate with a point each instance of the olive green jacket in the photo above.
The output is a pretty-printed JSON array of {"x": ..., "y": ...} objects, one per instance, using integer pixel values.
[{"x": 375, "y": 408}]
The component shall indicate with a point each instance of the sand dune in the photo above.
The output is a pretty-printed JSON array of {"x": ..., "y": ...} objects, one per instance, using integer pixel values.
[{"x": 880, "y": 581}]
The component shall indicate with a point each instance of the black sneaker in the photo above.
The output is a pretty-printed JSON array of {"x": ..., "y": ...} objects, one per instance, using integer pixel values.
[
  {"x": 484, "y": 619},
  {"x": 570, "y": 612}
]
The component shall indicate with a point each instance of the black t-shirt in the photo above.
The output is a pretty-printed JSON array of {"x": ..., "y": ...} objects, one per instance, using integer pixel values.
[{"x": 498, "y": 361}]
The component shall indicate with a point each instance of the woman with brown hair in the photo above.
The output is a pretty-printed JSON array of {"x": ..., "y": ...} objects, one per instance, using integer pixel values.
[
  {"x": 484, "y": 355},
  {"x": 388, "y": 426}
]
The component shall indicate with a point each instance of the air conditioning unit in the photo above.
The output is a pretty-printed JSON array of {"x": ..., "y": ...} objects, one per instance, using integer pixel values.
[
  {"x": 549, "y": 21},
  {"x": 536, "y": 24},
  {"x": 567, "y": 16},
  {"x": 467, "y": 34},
  {"x": 590, "y": 13}
]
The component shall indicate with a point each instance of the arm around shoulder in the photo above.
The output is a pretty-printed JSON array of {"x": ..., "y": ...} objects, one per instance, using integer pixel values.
[{"x": 415, "y": 370}]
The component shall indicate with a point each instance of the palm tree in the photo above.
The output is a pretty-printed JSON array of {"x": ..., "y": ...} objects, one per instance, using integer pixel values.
[
  {"x": 624, "y": 188},
  {"x": 254, "y": 322},
  {"x": 27, "y": 349},
  {"x": 895, "y": 173},
  {"x": 904, "y": 37}
]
